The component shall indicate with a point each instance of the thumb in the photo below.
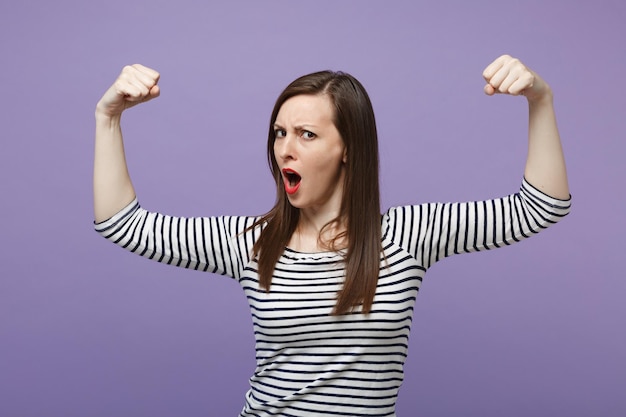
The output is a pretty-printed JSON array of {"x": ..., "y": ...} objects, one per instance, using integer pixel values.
[
  {"x": 155, "y": 91},
  {"x": 489, "y": 90}
]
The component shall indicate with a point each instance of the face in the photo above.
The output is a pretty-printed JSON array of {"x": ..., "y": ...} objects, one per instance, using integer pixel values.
[{"x": 310, "y": 153}]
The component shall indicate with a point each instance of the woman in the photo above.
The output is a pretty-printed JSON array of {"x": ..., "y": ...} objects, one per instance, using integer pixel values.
[{"x": 331, "y": 285}]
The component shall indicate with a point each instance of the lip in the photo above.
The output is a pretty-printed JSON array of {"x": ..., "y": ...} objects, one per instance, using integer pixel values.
[{"x": 290, "y": 189}]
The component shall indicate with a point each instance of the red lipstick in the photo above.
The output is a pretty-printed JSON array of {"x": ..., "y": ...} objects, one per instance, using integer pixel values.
[{"x": 291, "y": 179}]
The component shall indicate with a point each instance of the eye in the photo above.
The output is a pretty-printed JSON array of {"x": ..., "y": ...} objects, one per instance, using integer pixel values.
[
  {"x": 308, "y": 135},
  {"x": 280, "y": 133}
]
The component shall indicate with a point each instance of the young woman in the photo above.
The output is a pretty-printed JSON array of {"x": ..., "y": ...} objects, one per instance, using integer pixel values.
[{"x": 330, "y": 282}]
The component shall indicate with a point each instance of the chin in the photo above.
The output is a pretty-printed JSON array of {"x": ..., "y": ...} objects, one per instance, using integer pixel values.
[{"x": 295, "y": 204}]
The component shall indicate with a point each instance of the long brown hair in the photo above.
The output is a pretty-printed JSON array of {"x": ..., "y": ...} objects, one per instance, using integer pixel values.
[{"x": 360, "y": 205}]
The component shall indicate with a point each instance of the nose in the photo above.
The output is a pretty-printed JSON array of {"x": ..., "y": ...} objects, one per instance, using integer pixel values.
[{"x": 284, "y": 148}]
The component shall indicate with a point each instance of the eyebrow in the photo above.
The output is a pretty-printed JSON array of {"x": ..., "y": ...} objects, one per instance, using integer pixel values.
[{"x": 298, "y": 127}]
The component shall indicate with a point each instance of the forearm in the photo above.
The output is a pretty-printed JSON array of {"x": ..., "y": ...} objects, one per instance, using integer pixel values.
[
  {"x": 112, "y": 186},
  {"x": 545, "y": 165}
]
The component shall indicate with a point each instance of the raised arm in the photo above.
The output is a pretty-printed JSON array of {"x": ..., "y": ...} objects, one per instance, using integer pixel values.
[
  {"x": 545, "y": 164},
  {"x": 112, "y": 187}
]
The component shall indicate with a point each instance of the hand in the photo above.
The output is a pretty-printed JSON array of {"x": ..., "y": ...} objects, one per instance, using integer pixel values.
[
  {"x": 508, "y": 75},
  {"x": 136, "y": 84}
]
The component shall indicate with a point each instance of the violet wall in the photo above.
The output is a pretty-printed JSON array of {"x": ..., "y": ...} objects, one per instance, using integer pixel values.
[{"x": 87, "y": 329}]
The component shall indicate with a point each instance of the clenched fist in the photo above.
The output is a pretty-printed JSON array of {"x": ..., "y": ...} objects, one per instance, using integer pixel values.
[
  {"x": 136, "y": 84},
  {"x": 508, "y": 75}
]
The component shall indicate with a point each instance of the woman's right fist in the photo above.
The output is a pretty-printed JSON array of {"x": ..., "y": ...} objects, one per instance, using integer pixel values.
[{"x": 136, "y": 84}]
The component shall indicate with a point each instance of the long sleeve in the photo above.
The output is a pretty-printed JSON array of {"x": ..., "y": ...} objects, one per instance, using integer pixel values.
[
  {"x": 431, "y": 232},
  {"x": 220, "y": 245}
]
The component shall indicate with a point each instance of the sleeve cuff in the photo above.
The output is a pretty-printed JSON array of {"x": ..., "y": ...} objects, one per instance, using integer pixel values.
[{"x": 120, "y": 216}]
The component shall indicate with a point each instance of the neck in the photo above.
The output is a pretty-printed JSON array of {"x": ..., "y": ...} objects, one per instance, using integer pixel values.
[{"x": 311, "y": 235}]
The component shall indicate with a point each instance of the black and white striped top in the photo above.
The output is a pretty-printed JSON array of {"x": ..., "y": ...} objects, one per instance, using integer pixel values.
[{"x": 309, "y": 362}]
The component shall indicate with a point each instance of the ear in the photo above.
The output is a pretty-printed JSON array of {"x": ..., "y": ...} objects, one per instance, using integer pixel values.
[{"x": 345, "y": 155}]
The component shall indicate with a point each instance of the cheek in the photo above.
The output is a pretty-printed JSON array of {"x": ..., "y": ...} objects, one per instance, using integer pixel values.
[{"x": 332, "y": 167}]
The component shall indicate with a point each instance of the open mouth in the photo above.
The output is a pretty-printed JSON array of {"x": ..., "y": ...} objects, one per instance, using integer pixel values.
[{"x": 292, "y": 180}]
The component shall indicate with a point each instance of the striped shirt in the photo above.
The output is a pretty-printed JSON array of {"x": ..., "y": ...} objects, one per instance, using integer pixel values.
[{"x": 310, "y": 363}]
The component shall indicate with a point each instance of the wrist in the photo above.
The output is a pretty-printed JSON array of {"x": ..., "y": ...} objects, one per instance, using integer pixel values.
[
  {"x": 103, "y": 116},
  {"x": 541, "y": 94},
  {"x": 544, "y": 99}
]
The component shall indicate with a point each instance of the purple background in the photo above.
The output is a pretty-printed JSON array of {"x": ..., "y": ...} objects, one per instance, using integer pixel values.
[{"x": 87, "y": 329}]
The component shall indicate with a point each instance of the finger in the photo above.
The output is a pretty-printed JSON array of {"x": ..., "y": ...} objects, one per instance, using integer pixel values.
[
  {"x": 508, "y": 71},
  {"x": 134, "y": 84},
  {"x": 489, "y": 90},
  {"x": 142, "y": 84},
  {"x": 518, "y": 79},
  {"x": 507, "y": 82},
  {"x": 135, "y": 74},
  {"x": 522, "y": 84},
  {"x": 136, "y": 88},
  {"x": 509, "y": 74},
  {"x": 147, "y": 72},
  {"x": 492, "y": 68},
  {"x": 499, "y": 77},
  {"x": 146, "y": 95},
  {"x": 131, "y": 91},
  {"x": 147, "y": 76}
]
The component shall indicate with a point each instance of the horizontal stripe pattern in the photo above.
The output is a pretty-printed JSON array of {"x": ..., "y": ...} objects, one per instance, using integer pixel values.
[{"x": 309, "y": 362}]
